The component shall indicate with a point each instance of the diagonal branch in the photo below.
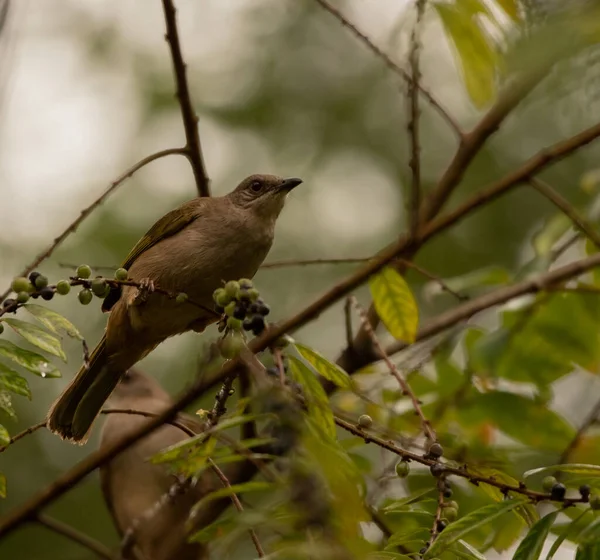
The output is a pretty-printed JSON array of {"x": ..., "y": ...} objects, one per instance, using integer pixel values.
[
  {"x": 193, "y": 149},
  {"x": 89, "y": 209},
  {"x": 394, "y": 67}
]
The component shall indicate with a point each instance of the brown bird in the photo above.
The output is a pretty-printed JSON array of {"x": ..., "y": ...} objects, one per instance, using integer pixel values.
[
  {"x": 131, "y": 485},
  {"x": 192, "y": 249}
]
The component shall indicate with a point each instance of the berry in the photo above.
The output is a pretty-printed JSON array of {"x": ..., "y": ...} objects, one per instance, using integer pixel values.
[
  {"x": 594, "y": 500},
  {"x": 253, "y": 309},
  {"x": 230, "y": 307},
  {"x": 585, "y": 491},
  {"x": 1, "y": 328},
  {"x": 365, "y": 421},
  {"x": 231, "y": 346},
  {"x": 402, "y": 469},
  {"x": 253, "y": 294},
  {"x": 99, "y": 287},
  {"x": 239, "y": 312},
  {"x": 234, "y": 323},
  {"x": 441, "y": 525},
  {"x": 47, "y": 293},
  {"x": 246, "y": 284},
  {"x": 181, "y": 298},
  {"x": 221, "y": 298},
  {"x": 20, "y": 284},
  {"x": 33, "y": 277},
  {"x": 22, "y": 297},
  {"x": 41, "y": 282},
  {"x": 423, "y": 550},
  {"x": 83, "y": 271},
  {"x": 558, "y": 491},
  {"x": 283, "y": 341},
  {"x": 63, "y": 288},
  {"x": 121, "y": 274},
  {"x": 448, "y": 492},
  {"x": 247, "y": 324},
  {"x": 548, "y": 483},
  {"x": 450, "y": 513},
  {"x": 435, "y": 450},
  {"x": 219, "y": 309},
  {"x": 437, "y": 469},
  {"x": 232, "y": 289},
  {"x": 258, "y": 325},
  {"x": 9, "y": 302},
  {"x": 264, "y": 309},
  {"x": 85, "y": 296}
]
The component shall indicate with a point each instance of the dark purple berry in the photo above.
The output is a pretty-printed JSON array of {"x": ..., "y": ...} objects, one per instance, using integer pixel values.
[
  {"x": 585, "y": 491},
  {"x": 558, "y": 491},
  {"x": 448, "y": 493},
  {"x": 9, "y": 302},
  {"x": 33, "y": 276},
  {"x": 258, "y": 325},
  {"x": 437, "y": 469},
  {"x": 264, "y": 309},
  {"x": 247, "y": 324},
  {"x": 253, "y": 309},
  {"x": 441, "y": 525},
  {"x": 435, "y": 450},
  {"x": 239, "y": 312},
  {"x": 47, "y": 293}
]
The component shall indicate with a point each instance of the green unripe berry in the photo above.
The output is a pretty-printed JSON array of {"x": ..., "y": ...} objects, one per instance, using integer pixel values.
[
  {"x": 85, "y": 296},
  {"x": 231, "y": 345},
  {"x": 121, "y": 274},
  {"x": 20, "y": 284},
  {"x": 63, "y": 288},
  {"x": 253, "y": 294},
  {"x": 246, "y": 283},
  {"x": 41, "y": 282},
  {"x": 99, "y": 287},
  {"x": 402, "y": 469},
  {"x": 221, "y": 298},
  {"x": 232, "y": 289},
  {"x": 181, "y": 298},
  {"x": 234, "y": 324},
  {"x": 450, "y": 513},
  {"x": 230, "y": 308},
  {"x": 548, "y": 483},
  {"x": 365, "y": 421},
  {"x": 83, "y": 271},
  {"x": 435, "y": 450},
  {"x": 1, "y": 328},
  {"x": 594, "y": 500},
  {"x": 23, "y": 297},
  {"x": 452, "y": 504}
]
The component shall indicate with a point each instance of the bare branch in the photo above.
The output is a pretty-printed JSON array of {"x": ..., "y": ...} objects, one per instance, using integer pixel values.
[
  {"x": 564, "y": 206},
  {"x": 394, "y": 67},
  {"x": 72, "y": 534},
  {"x": 193, "y": 149},
  {"x": 89, "y": 209},
  {"x": 22, "y": 434}
]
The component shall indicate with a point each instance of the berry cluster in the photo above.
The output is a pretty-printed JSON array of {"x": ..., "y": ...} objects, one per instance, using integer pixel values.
[{"x": 242, "y": 304}]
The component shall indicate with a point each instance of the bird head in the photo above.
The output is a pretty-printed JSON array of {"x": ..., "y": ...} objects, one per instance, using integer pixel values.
[{"x": 263, "y": 194}]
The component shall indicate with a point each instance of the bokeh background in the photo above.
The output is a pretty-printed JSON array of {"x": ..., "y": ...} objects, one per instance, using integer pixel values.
[{"x": 280, "y": 87}]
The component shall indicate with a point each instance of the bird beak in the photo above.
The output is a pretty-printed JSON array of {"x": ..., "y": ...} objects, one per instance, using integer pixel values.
[{"x": 289, "y": 184}]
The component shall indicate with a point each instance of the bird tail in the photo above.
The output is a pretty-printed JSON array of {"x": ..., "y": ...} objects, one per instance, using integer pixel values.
[{"x": 74, "y": 412}]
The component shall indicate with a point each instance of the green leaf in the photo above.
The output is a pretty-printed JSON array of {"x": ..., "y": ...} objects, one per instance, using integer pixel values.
[
  {"x": 458, "y": 529},
  {"x": 255, "y": 486},
  {"x": 572, "y": 468},
  {"x": 464, "y": 550},
  {"x": 6, "y": 406},
  {"x": 316, "y": 399},
  {"x": 385, "y": 555},
  {"x": 53, "y": 320},
  {"x": 324, "y": 367},
  {"x": 531, "y": 546},
  {"x": 2, "y": 486},
  {"x": 567, "y": 533},
  {"x": 478, "y": 59},
  {"x": 13, "y": 381},
  {"x": 38, "y": 337},
  {"x": 395, "y": 304},
  {"x": 31, "y": 361},
  {"x": 403, "y": 502},
  {"x": 4, "y": 436}
]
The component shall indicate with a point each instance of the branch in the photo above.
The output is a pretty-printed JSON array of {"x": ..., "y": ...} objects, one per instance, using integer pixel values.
[
  {"x": 72, "y": 534},
  {"x": 22, "y": 434},
  {"x": 413, "y": 122},
  {"x": 394, "y": 67},
  {"x": 89, "y": 209},
  {"x": 193, "y": 149},
  {"x": 564, "y": 206},
  {"x": 589, "y": 421}
]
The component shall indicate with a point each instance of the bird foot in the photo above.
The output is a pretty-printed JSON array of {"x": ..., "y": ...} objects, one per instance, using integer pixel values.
[{"x": 145, "y": 288}]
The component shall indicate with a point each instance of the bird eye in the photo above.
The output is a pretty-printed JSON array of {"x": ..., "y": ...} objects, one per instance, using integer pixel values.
[{"x": 256, "y": 186}]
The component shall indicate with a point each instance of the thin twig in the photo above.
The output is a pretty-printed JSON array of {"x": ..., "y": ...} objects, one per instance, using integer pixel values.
[
  {"x": 406, "y": 389},
  {"x": 238, "y": 505},
  {"x": 567, "y": 208},
  {"x": 413, "y": 121},
  {"x": 89, "y": 209},
  {"x": 72, "y": 534},
  {"x": 147, "y": 414},
  {"x": 22, "y": 434},
  {"x": 438, "y": 513},
  {"x": 348, "y": 322},
  {"x": 193, "y": 148},
  {"x": 393, "y": 66}
]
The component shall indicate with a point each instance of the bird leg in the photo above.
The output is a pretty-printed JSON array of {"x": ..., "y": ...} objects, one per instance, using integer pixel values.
[{"x": 145, "y": 288}]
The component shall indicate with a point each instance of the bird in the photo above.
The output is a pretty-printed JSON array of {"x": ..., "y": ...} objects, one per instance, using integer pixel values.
[
  {"x": 193, "y": 249},
  {"x": 132, "y": 485}
]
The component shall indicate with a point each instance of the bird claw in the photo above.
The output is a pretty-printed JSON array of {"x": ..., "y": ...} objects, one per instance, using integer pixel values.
[{"x": 145, "y": 288}]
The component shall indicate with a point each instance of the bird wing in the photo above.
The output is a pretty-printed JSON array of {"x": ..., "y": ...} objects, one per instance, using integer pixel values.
[{"x": 170, "y": 224}]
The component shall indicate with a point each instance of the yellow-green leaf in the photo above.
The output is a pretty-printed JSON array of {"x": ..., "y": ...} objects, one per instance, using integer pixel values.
[
  {"x": 38, "y": 337},
  {"x": 571, "y": 468},
  {"x": 4, "y": 436},
  {"x": 395, "y": 304},
  {"x": 329, "y": 371},
  {"x": 254, "y": 486},
  {"x": 53, "y": 320},
  {"x": 13, "y": 381},
  {"x": 31, "y": 361},
  {"x": 2, "y": 486},
  {"x": 6, "y": 406}
]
